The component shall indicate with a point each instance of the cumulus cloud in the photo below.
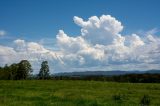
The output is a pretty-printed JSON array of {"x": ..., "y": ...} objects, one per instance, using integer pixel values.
[
  {"x": 70, "y": 44},
  {"x": 7, "y": 55},
  {"x": 32, "y": 51},
  {"x": 100, "y": 46},
  {"x": 100, "y": 30},
  {"x": 135, "y": 41}
]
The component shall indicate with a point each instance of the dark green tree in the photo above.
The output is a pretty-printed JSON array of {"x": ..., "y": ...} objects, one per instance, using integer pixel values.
[
  {"x": 6, "y": 72},
  {"x": 44, "y": 71},
  {"x": 13, "y": 71},
  {"x": 3, "y": 73},
  {"x": 24, "y": 70},
  {"x": 6, "y": 67}
]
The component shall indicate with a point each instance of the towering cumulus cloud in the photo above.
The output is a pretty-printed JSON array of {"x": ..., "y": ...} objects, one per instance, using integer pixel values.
[
  {"x": 100, "y": 46},
  {"x": 99, "y": 30}
]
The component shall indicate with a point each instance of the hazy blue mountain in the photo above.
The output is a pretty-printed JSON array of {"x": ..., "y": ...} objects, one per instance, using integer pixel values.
[{"x": 106, "y": 73}]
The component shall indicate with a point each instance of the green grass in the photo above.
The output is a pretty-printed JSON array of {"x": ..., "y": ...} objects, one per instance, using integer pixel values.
[{"x": 76, "y": 93}]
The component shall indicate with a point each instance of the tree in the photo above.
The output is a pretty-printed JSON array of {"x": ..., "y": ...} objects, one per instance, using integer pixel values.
[
  {"x": 44, "y": 71},
  {"x": 24, "y": 70},
  {"x": 13, "y": 71}
]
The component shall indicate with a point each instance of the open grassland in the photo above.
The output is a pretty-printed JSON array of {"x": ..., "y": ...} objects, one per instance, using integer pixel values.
[{"x": 76, "y": 93}]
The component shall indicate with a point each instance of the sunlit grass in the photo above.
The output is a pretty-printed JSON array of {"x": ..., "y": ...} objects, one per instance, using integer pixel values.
[{"x": 75, "y": 93}]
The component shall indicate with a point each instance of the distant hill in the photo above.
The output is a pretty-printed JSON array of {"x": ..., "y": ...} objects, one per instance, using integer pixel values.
[{"x": 106, "y": 73}]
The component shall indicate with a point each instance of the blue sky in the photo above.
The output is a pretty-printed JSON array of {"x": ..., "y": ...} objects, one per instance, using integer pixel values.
[
  {"x": 36, "y": 19},
  {"x": 39, "y": 21}
]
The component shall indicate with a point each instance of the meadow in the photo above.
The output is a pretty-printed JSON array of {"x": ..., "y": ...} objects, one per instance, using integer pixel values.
[{"x": 76, "y": 93}]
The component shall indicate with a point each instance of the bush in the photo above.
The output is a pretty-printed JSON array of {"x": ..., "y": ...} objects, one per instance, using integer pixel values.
[
  {"x": 117, "y": 98},
  {"x": 145, "y": 101}
]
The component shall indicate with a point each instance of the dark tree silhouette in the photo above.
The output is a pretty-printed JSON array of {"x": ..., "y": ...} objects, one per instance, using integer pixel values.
[
  {"x": 24, "y": 70},
  {"x": 13, "y": 71},
  {"x": 44, "y": 71}
]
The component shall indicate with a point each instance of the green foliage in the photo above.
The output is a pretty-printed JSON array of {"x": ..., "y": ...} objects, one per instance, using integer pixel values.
[
  {"x": 13, "y": 71},
  {"x": 117, "y": 98},
  {"x": 132, "y": 78},
  {"x": 145, "y": 101},
  {"x": 17, "y": 71},
  {"x": 44, "y": 71},
  {"x": 24, "y": 69}
]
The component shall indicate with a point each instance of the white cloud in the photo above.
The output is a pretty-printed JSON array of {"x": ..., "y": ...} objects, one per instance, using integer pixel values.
[
  {"x": 70, "y": 44},
  {"x": 150, "y": 38},
  {"x": 100, "y": 30},
  {"x": 7, "y": 55},
  {"x": 2, "y": 32},
  {"x": 135, "y": 41},
  {"x": 152, "y": 31},
  {"x": 101, "y": 46}
]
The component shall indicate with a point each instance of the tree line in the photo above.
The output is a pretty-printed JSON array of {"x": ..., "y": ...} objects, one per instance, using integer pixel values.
[
  {"x": 131, "y": 78},
  {"x": 23, "y": 70}
]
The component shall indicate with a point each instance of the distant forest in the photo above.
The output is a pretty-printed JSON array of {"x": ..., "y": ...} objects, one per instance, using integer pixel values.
[
  {"x": 23, "y": 71},
  {"x": 131, "y": 78}
]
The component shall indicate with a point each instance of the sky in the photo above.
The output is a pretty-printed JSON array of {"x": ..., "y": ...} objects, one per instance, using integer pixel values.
[{"x": 81, "y": 35}]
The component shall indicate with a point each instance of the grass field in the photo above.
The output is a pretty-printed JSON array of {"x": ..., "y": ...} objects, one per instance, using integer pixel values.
[{"x": 75, "y": 93}]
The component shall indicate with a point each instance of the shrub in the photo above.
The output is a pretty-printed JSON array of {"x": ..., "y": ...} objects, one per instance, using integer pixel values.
[
  {"x": 145, "y": 101},
  {"x": 117, "y": 98}
]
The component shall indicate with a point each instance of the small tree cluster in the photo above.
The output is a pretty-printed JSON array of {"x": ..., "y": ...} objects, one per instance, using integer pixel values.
[
  {"x": 18, "y": 71},
  {"x": 22, "y": 70}
]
